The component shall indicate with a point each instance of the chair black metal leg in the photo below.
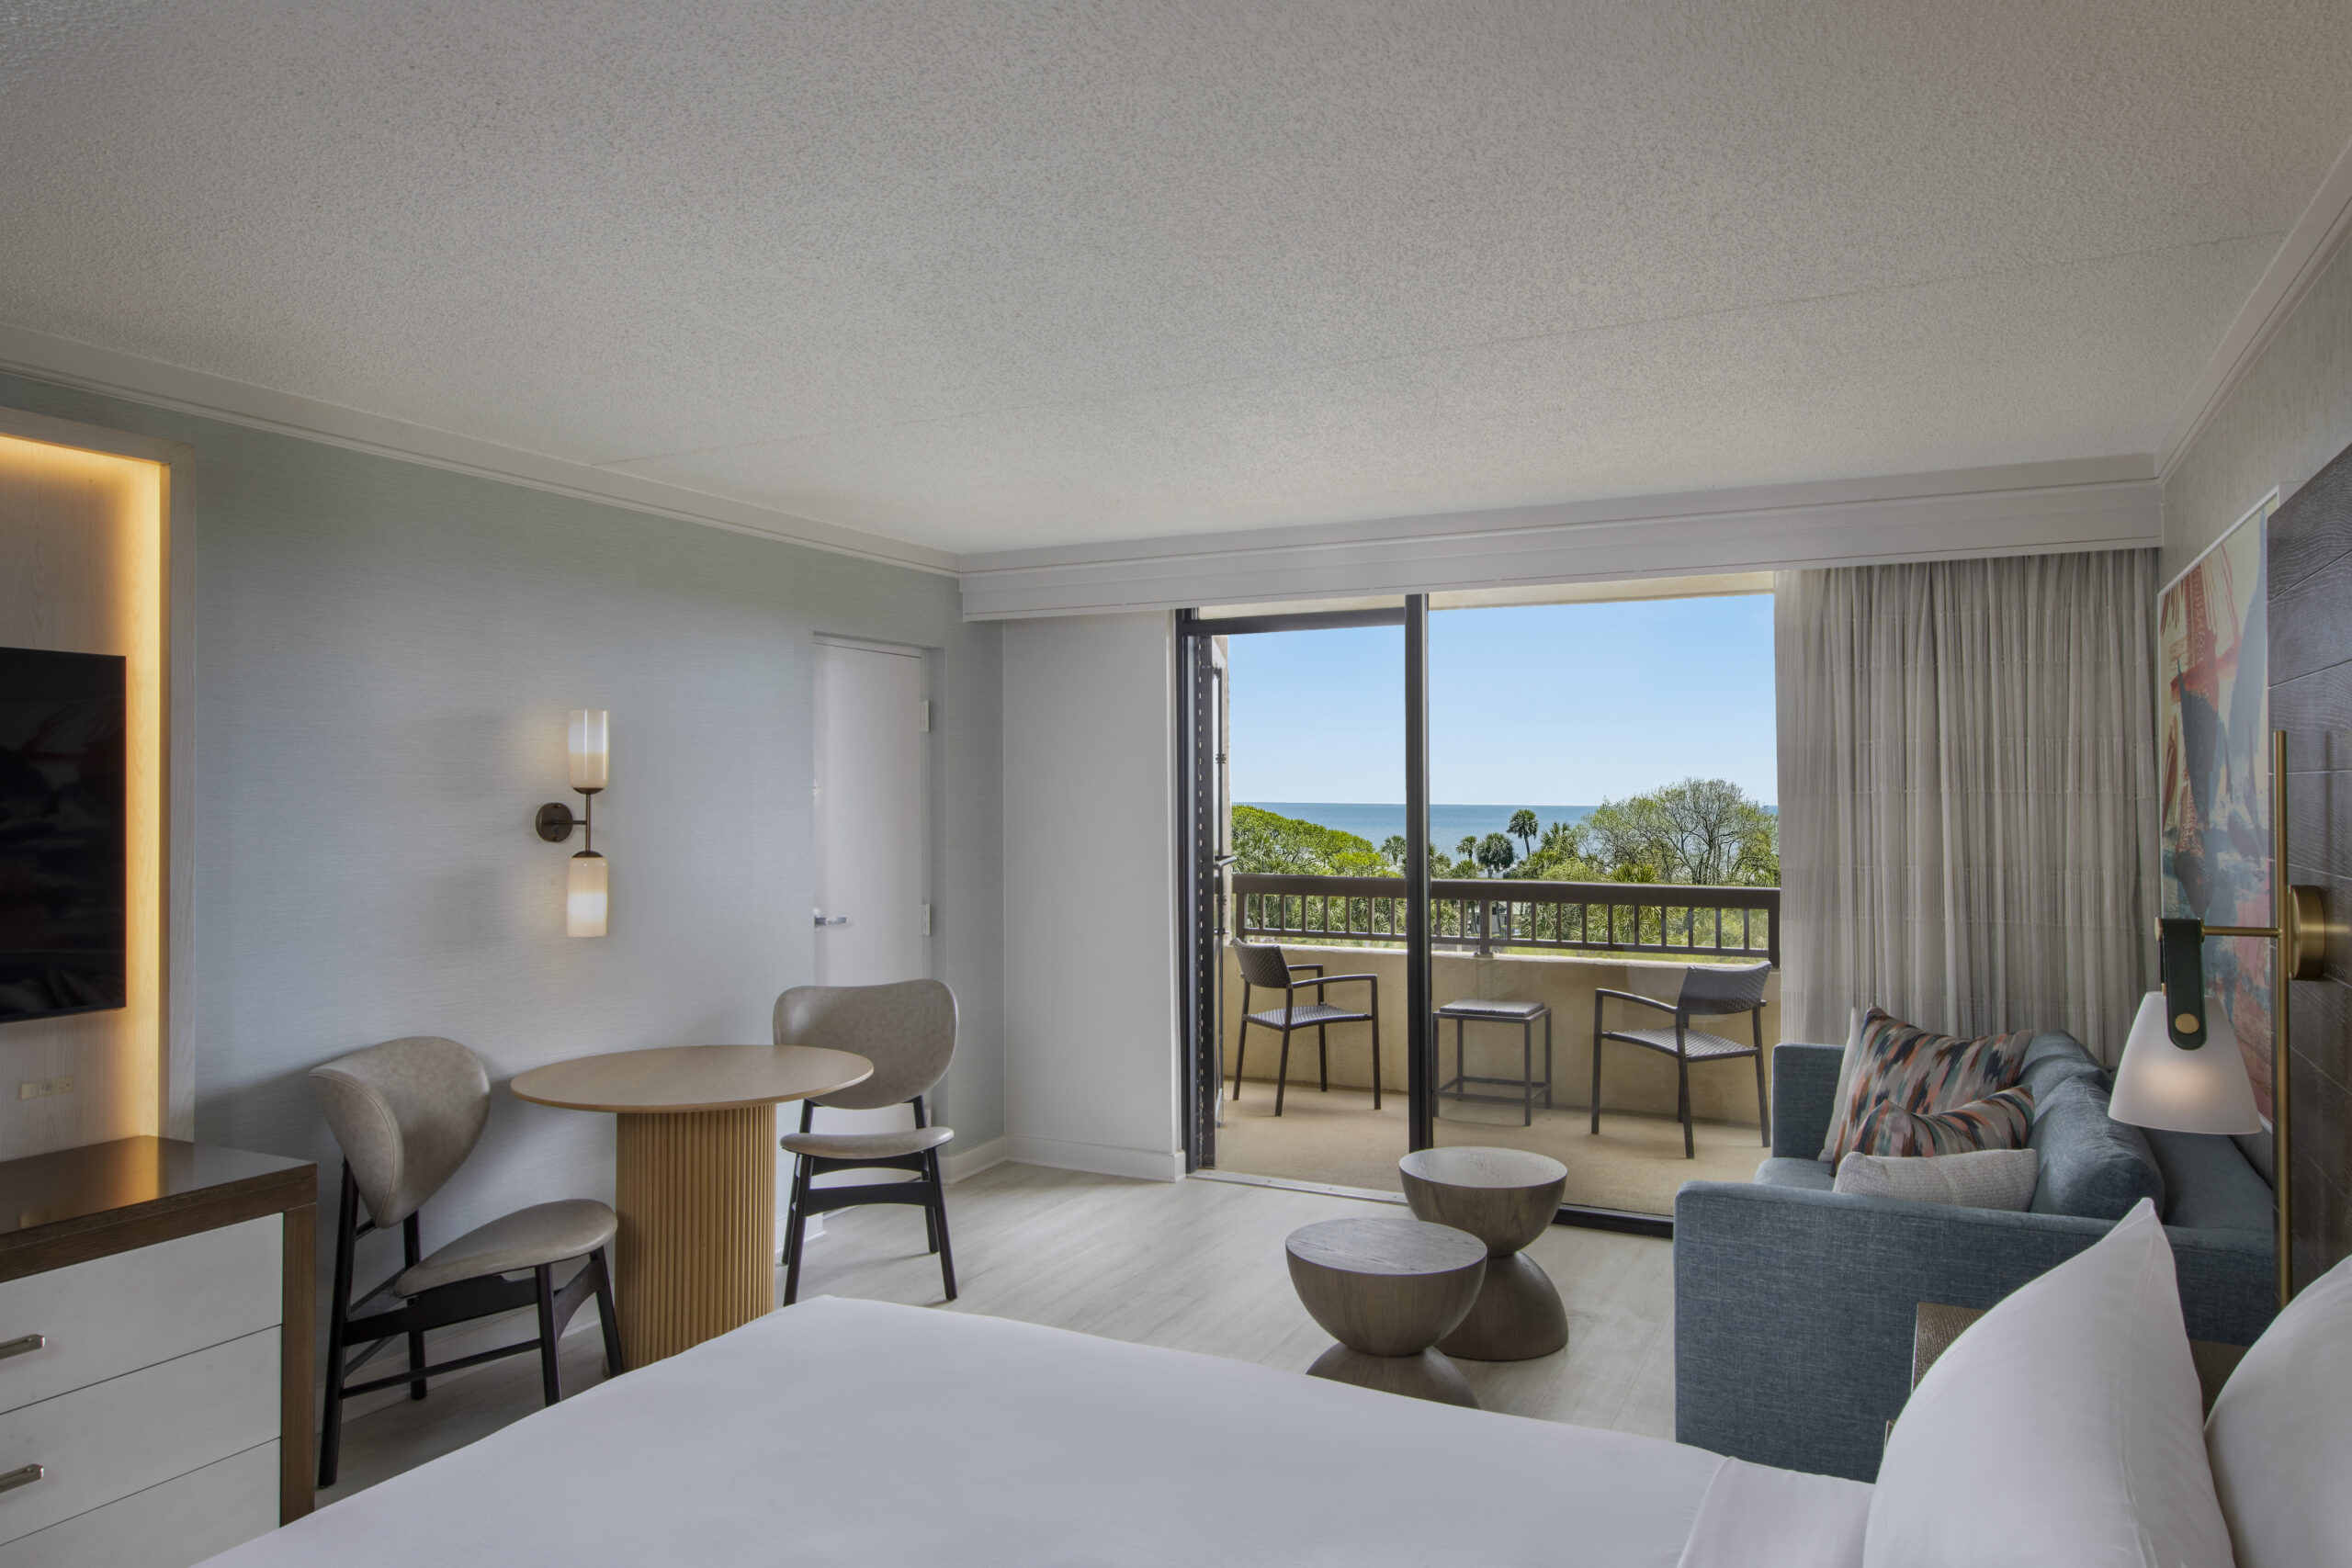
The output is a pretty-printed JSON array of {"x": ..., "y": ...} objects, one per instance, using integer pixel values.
[
  {"x": 1596, "y": 1065},
  {"x": 551, "y": 1378},
  {"x": 795, "y": 1223},
  {"x": 1323, "y": 1056},
  {"x": 939, "y": 1212},
  {"x": 411, "y": 1251},
  {"x": 1240, "y": 1054},
  {"x": 1763, "y": 1101},
  {"x": 1683, "y": 1102},
  {"x": 1376, "y": 1046},
  {"x": 614, "y": 1363},
  {"x": 1281, "y": 1073}
]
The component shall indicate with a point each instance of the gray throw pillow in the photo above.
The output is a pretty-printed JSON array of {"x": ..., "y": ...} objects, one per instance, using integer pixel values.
[
  {"x": 2091, "y": 1164},
  {"x": 1982, "y": 1179}
]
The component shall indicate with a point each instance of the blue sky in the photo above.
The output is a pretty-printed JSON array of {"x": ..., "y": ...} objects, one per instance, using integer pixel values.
[{"x": 1562, "y": 705}]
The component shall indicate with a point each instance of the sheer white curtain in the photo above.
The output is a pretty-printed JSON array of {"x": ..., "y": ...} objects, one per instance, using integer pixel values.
[{"x": 1968, "y": 794}]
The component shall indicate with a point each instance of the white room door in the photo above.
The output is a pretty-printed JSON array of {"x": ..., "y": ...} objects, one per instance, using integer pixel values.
[{"x": 872, "y": 815}]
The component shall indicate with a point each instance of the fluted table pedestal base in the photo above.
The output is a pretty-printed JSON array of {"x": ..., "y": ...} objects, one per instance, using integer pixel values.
[{"x": 696, "y": 1191}]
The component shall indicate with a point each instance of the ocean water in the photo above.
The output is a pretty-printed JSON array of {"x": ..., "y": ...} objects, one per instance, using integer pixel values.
[{"x": 1448, "y": 824}]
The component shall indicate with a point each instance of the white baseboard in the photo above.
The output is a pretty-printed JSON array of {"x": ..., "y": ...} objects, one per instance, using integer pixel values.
[
  {"x": 1099, "y": 1159},
  {"x": 977, "y": 1158}
]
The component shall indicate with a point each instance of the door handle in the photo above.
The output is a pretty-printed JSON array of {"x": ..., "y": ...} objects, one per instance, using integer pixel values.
[
  {"x": 833, "y": 919},
  {"x": 23, "y": 1475},
  {"x": 20, "y": 1347}
]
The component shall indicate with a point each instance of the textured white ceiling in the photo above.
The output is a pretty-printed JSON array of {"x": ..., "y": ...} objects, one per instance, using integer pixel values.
[{"x": 993, "y": 276}]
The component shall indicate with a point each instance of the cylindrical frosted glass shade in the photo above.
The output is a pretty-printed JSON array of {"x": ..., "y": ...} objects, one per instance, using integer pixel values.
[
  {"x": 2159, "y": 1084},
  {"x": 591, "y": 753},
  {"x": 587, "y": 896}
]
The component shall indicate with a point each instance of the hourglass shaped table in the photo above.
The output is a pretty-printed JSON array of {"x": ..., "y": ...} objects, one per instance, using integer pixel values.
[{"x": 694, "y": 1176}]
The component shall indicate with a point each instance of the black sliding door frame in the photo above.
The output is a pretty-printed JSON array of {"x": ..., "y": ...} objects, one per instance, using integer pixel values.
[{"x": 1201, "y": 924}]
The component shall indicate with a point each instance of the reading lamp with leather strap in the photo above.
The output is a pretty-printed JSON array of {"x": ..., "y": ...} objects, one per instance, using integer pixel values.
[{"x": 2169, "y": 1078}]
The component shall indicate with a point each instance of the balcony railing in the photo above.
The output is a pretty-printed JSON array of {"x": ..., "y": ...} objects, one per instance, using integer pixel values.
[{"x": 1663, "y": 919}]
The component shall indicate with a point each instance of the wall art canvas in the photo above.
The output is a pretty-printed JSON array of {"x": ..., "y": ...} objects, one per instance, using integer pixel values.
[{"x": 2213, "y": 727}]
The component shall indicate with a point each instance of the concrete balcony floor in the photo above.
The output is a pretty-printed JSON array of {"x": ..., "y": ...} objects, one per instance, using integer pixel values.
[{"x": 1635, "y": 1163}]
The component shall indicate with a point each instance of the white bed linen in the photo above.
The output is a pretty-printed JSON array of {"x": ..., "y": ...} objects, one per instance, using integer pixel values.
[{"x": 858, "y": 1432}]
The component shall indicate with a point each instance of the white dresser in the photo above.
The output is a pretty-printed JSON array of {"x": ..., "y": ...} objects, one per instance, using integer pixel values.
[{"x": 154, "y": 1352}]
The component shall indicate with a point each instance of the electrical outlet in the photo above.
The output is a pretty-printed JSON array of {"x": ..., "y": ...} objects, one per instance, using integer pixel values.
[{"x": 42, "y": 1089}]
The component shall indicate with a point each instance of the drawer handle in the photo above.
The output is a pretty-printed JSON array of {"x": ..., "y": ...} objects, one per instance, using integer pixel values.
[
  {"x": 23, "y": 1475},
  {"x": 30, "y": 1342}
]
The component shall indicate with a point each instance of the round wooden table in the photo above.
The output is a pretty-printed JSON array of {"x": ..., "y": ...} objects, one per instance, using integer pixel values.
[
  {"x": 1388, "y": 1291},
  {"x": 694, "y": 1176},
  {"x": 1506, "y": 1198}
]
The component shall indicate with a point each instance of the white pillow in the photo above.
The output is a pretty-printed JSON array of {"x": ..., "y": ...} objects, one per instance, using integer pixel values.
[
  {"x": 2063, "y": 1429},
  {"x": 1981, "y": 1179},
  {"x": 1845, "y": 1078},
  {"x": 2280, "y": 1431}
]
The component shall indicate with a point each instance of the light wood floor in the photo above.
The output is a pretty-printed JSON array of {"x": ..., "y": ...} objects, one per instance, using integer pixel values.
[{"x": 1190, "y": 1265}]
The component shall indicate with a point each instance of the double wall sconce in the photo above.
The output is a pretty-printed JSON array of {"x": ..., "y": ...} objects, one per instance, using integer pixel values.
[{"x": 588, "y": 890}]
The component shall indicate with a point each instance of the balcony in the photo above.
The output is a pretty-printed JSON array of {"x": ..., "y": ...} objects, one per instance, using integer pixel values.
[{"x": 1521, "y": 940}]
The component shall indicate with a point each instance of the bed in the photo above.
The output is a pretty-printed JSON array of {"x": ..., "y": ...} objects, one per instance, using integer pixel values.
[{"x": 859, "y": 1432}]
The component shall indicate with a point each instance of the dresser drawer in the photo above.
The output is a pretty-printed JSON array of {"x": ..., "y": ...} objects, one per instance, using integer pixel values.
[
  {"x": 110, "y": 1439},
  {"x": 185, "y": 1520},
  {"x": 112, "y": 1315}
]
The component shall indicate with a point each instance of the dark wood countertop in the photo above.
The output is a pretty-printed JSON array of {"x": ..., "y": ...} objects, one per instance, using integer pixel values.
[{"x": 75, "y": 1204}]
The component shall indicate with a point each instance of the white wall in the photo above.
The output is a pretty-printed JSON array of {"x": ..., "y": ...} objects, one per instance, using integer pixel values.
[
  {"x": 2284, "y": 421},
  {"x": 1090, "y": 918},
  {"x": 384, "y": 654}
]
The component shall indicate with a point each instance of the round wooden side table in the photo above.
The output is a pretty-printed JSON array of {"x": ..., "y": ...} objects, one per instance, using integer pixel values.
[
  {"x": 1505, "y": 1198},
  {"x": 694, "y": 1176},
  {"x": 1388, "y": 1291}
]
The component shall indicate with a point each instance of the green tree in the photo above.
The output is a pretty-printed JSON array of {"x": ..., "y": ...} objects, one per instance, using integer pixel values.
[
  {"x": 1703, "y": 832},
  {"x": 1522, "y": 827},
  {"x": 1495, "y": 854},
  {"x": 1467, "y": 849},
  {"x": 1393, "y": 849},
  {"x": 1265, "y": 842}
]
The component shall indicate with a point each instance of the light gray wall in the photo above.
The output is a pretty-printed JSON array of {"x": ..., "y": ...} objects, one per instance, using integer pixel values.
[
  {"x": 2288, "y": 415},
  {"x": 385, "y": 653}
]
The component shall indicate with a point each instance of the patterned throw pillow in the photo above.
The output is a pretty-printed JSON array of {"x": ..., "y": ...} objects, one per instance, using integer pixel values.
[
  {"x": 1924, "y": 1073},
  {"x": 1997, "y": 1122}
]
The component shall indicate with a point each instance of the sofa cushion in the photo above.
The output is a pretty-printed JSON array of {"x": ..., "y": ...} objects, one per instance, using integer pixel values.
[
  {"x": 1922, "y": 1072},
  {"x": 1982, "y": 1178},
  {"x": 2209, "y": 1183},
  {"x": 2092, "y": 1164},
  {"x": 1998, "y": 1121},
  {"x": 2053, "y": 1058},
  {"x": 1811, "y": 1175}
]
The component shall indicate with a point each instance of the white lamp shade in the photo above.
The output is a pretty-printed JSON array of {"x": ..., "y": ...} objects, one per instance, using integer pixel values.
[
  {"x": 2159, "y": 1084},
  {"x": 587, "y": 896},
  {"x": 591, "y": 748}
]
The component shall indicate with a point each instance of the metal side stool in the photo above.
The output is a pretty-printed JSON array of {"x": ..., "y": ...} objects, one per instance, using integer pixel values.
[{"x": 1524, "y": 1088}]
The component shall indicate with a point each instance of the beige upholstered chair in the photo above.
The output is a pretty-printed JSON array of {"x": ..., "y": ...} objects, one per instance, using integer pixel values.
[
  {"x": 407, "y": 1113},
  {"x": 907, "y": 1031}
]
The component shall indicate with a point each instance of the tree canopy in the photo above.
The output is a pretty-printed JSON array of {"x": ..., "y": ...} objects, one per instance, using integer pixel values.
[{"x": 1704, "y": 831}]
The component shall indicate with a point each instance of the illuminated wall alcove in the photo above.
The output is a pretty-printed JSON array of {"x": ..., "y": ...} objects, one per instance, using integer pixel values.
[{"x": 88, "y": 527}]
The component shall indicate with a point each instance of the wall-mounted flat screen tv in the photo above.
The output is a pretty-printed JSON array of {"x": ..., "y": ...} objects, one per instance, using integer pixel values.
[{"x": 63, "y": 882}]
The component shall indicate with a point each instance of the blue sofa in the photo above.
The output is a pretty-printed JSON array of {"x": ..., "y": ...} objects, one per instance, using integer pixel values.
[{"x": 1792, "y": 1303}]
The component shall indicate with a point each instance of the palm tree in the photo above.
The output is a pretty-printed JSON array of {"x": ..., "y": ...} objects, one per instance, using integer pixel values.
[
  {"x": 1393, "y": 849},
  {"x": 1495, "y": 854},
  {"x": 1467, "y": 849},
  {"x": 1523, "y": 828}
]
